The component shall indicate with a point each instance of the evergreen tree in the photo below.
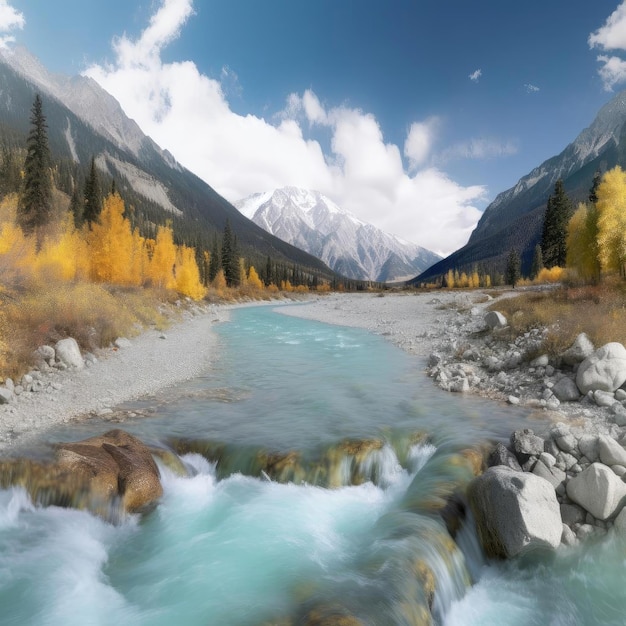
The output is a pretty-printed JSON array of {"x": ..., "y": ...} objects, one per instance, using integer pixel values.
[
  {"x": 268, "y": 272},
  {"x": 554, "y": 234},
  {"x": 512, "y": 275},
  {"x": 93, "y": 195},
  {"x": 76, "y": 204},
  {"x": 214, "y": 262},
  {"x": 593, "y": 192},
  {"x": 34, "y": 210},
  {"x": 10, "y": 172},
  {"x": 537, "y": 264},
  {"x": 230, "y": 260}
]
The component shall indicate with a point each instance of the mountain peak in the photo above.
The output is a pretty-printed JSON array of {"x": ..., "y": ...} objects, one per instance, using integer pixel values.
[{"x": 314, "y": 223}]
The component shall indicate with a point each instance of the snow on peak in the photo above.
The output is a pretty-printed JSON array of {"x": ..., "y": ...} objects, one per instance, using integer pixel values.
[{"x": 311, "y": 221}]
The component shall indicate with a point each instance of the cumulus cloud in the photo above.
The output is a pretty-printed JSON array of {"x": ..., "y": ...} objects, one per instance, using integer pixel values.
[
  {"x": 611, "y": 36},
  {"x": 10, "y": 19},
  {"x": 475, "y": 75},
  {"x": 530, "y": 88},
  {"x": 189, "y": 114},
  {"x": 419, "y": 141}
]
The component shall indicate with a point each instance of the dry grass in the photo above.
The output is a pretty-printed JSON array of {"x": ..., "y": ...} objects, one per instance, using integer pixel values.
[
  {"x": 598, "y": 310},
  {"x": 93, "y": 314}
]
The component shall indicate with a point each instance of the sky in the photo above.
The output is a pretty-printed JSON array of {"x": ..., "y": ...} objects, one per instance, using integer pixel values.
[{"x": 411, "y": 114}]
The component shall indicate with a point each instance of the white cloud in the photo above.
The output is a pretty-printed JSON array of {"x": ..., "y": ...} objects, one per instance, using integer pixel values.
[
  {"x": 10, "y": 19},
  {"x": 479, "y": 148},
  {"x": 189, "y": 114},
  {"x": 419, "y": 141},
  {"x": 611, "y": 36},
  {"x": 475, "y": 75},
  {"x": 530, "y": 88}
]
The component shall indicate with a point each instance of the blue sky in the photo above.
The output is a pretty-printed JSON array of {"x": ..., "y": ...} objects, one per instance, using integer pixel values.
[{"x": 412, "y": 114}]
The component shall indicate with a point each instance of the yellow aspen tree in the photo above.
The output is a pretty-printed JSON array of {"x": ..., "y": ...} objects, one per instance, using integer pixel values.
[
  {"x": 582, "y": 242},
  {"x": 219, "y": 283},
  {"x": 139, "y": 260},
  {"x": 188, "y": 281},
  {"x": 243, "y": 276},
  {"x": 253, "y": 279},
  {"x": 162, "y": 270},
  {"x": 64, "y": 258},
  {"x": 450, "y": 279},
  {"x": 475, "y": 280},
  {"x": 111, "y": 241},
  {"x": 611, "y": 205}
]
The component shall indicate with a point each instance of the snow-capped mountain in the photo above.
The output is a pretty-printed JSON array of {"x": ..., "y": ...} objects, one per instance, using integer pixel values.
[
  {"x": 314, "y": 223},
  {"x": 515, "y": 218}
]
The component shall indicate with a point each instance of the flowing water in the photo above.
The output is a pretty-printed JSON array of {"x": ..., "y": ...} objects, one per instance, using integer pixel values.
[{"x": 319, "y": 461}]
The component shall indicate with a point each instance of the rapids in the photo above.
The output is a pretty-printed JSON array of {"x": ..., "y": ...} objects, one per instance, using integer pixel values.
[{"x": 320, "y": 464}]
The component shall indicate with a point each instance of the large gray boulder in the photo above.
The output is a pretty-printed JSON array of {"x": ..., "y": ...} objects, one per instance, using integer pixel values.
[
  {"x": 68, "y": 353},
  {"x": 566, "y": 390},
  {"x": 598, "y": 490},
  {"x": 516, "y": 512},
  {"x": 578, "y": 351},
  {"x": 604, "y": 370},
  {"x": 611, "y": 453}
]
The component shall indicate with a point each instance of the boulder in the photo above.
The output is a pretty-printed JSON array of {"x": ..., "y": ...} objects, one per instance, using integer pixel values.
[
  {"x": 495, "y": 319},
  {"x": 611, "y": 453},
  {"x": 566, "y": 390},
  {"x": 604, "y": 370},
  {"x": 553, "y": 475},
  {"x": 588, "y": 446},
  {"x": 525, "y": 443},
  {"x": 598, "y": 490},
  {"x": 501, "y": 455},
  {"x": 68, "y": 353},
  {"x": 578, "y": 351},
  {"x": 116, "y": 465},
  {"x": 515, "y": 512}
]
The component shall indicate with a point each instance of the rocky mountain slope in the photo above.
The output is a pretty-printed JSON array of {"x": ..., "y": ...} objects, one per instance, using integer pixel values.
[
  {"x": 84, "y": 121},
  {"x": 515, "y": 218},
  {"x": 313, "y": 222}
]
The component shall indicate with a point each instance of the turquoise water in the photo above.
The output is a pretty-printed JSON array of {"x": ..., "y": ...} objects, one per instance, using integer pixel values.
[{"x": 234, "y": 548}]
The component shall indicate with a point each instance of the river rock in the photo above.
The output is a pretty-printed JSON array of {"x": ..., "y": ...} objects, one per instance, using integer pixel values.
[
  {"x": 552, "y": 474},
  {"x": 515, "y": 512},
  {"x": 525, "y": 443},
  {"x": 598, "y": 490},
  {"x": 45, "y": 354},
  {"x": 588, "y": 446},
  {"x": 68, "y": 353},
  {"x": 604, "y": 370},
  {"x": 501, "y": 455},
  {"x": 603, "y": 398},
  {"x": 566, "y": 390},
  {"x": 6, "y": 395},
  {"x": 611, "y": 453},
  {"x": 578, "y": 351},
  {"x": 495, "y": 319}
]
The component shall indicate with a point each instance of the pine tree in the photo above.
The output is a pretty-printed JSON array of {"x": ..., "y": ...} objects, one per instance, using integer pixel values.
[
  {"x": 34, "y": 210},
  {"x": 214, "y": 262},
  {"x": 230, "y": 260},
  {"x": 76, "y": 204},
  {"x": 537, "y": 263},
  {"x": 512, "y": 275},
  {"x": 593, "y": 192},
  {"x": 554, "y": 235},
  {"x": 93, "y": 195}
]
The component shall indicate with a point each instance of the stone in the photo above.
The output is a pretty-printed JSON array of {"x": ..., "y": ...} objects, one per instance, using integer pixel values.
[
  {"x": 598, "y": 490},
  {"x": 588, "y": 446},
  {"x": 566, "y": 443},
  {"x": 568, "y": 538},
  {"x": 6, "y": 395},
  {"x": 604, "y": 370},
  {"x": 619, "y": 413},
  {"x": 603, "y": 398},
  {"x": 620, "y": 394},
  {"x": 578, "y": 351},
  {"x": 122, "y": 342},
  {"x": 620, "y": 523},
  {"x": 540, "y": 361},
  {"x": 553, "y": 475},
  {"x": 68, "y": 353},
  {"x": 525, "y": 443},
  {"x": 495, "y": 319},
  {"x": 459, "y": 385},
  {"x": 515, "y": 512},
  {"x": 572, "y": 514},
  {"x": 611, "y": 453},
  {"x": 513, "y": 400},
  {"x": 501, "y": 455},
  {"x": 45, "y": 354},
  {"x": 566, "y": 390}
]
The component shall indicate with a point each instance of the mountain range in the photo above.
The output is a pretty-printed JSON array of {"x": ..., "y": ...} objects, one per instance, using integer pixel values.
[
  {"x": 514, "y": 219},
  {"x": 314, "y": 223},
  {"x": 85, "y": 121}
]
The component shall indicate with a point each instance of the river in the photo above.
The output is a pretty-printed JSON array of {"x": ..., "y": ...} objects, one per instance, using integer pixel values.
[{"x": 319, "y": 459}]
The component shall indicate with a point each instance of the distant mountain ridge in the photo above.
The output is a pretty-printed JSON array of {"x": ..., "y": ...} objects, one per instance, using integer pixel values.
[
  {"x": 515, "y": 218},
  {"x": 84, "y": 121},
  {"x": 314, "y": 223}
]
